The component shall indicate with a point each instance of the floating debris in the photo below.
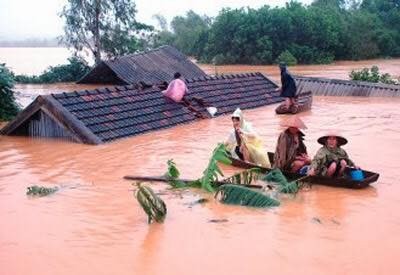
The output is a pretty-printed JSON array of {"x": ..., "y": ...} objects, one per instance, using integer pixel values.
[{"x": 40, "y": 191}]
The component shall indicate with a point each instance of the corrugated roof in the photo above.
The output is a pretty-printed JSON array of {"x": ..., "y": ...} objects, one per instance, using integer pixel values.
[
  {"x": 338, "y": 87},
  {"x": 151, "y": 67}
]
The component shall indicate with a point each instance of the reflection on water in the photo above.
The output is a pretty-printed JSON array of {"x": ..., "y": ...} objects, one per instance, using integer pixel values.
[{"x": 93, "y": 225}]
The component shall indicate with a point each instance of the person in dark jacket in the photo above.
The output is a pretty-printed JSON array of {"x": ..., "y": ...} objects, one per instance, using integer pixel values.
[{"x": 288, "y": 89}]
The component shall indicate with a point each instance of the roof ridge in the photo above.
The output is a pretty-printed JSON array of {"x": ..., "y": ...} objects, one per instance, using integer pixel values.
[
  {"x": 139, "y": 53},
  {"x": 224, "y": 76}
]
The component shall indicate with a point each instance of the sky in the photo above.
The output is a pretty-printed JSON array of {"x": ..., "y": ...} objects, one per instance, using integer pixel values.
[{"x": 24, "y": 19}]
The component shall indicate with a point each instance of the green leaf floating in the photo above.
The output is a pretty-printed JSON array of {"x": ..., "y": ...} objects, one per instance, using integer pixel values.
[
  {"x": 152, "y": 205},
  {"x": 245, "y": 177},
  {"x": 212, "y": 171},
  {"x": 282, "y": 183},
  {"x": 241, "y": 195},
  {"x": 40, "y": 191}
]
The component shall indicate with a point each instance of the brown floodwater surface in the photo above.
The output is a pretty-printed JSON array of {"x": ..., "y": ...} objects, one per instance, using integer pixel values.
[
  {"x": 94, "y": 225},
  {"x": 338, "y": 69}
]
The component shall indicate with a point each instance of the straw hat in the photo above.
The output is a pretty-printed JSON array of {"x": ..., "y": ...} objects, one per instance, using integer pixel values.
[
  {"x": 294, "y": 122},
  {"x": 340, "y": 140}
]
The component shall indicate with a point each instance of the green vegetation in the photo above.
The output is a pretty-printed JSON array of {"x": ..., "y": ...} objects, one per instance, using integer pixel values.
[
  {"x": 372, "y": 75},
  {"x": 40, "y": 191},
  {"x": 283, "y": 186},
  {"x": 287, "y": 58},
  {"x": 212, "y": 171},
  {"x": 241, "y": 195},
  {"x": 324, "y": 31},
  {"x": 104, "y": 27},
  {"x": 8, "y": 106},
  {"x": 71, "y": 72},
  {"x": 152, "y": 205},
  {"x": 245, "y": 177},
  {"x": 173, "y": 174}
]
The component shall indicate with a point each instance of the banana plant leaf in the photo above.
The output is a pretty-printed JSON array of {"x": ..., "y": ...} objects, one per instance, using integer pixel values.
[
  {"x": 152, "y": 204},
  {"x": 276, "y": 176},
  {"x": 241, "y": 195}
]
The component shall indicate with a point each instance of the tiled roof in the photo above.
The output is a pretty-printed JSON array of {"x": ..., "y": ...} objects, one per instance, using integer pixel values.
[
  {"x": 338, "y": 87},
  {"x": 151, "y": 67},
  {"x": 107, "y": 114},
  {"x": 112, "y": 113}
]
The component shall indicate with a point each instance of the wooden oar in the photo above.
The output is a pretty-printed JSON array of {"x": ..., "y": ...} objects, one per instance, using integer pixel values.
[{"x": 186, "y": 181}]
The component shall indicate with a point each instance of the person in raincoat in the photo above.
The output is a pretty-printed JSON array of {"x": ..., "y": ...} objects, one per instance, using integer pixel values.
[
  {"x": 244, "y": 143},
  {"x": 291, "y": 152},
  {"x": 331, "y": 160}
]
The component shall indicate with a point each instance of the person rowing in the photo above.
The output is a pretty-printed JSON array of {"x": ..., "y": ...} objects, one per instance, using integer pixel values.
[
  {"x": 244, "y": 143},
  {"x": 331, "y": 160}
]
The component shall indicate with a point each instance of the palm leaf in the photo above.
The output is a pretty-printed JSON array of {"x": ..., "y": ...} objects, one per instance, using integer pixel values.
[
  {"x": 152, "y": 205},
  {"x": 281, "y": 182},
  {"x": 240, "y": 195},
  {"x": 245, "y": 177}
]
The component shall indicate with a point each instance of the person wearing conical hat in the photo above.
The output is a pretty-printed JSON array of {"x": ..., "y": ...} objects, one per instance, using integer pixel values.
[
  {"x": 244, "y": 143},
  {"x": 291, "y": 152},
  {"x": 331, "y": 160}
]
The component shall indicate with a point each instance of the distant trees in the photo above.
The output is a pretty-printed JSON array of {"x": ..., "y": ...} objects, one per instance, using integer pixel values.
[
  {"x": 103, "y": 26},
  {"x": 188, "y": 33},
  {"x": 318, "y": 33},
  {"x": 372, "y": 75},
  {"x": 8, "y": 106},
  {"x": 71, "y": 72}
]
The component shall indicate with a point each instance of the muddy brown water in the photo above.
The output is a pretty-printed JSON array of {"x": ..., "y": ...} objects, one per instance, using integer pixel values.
[{"x": 93, "y": 224}]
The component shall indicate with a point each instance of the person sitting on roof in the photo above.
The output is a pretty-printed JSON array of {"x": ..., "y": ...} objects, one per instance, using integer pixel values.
[
  {"x": 244, "y": 143},
  {"x": 288, "y": 89},
  {"x": 176, "y": 89},
  {"x": 291, "y": 153},
  {"x": 331, "y": 160}
]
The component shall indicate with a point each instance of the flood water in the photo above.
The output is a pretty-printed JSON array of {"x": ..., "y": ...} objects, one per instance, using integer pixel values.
[{"x": 94, "y": 225}]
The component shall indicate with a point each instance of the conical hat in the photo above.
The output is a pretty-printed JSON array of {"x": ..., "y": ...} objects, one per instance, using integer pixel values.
[
  {"x": 294, "y": 122},
  {"x": 340, "y": 140}
]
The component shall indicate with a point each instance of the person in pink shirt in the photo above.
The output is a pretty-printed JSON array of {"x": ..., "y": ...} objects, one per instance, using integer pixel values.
[{"x": 176, "y": 89}]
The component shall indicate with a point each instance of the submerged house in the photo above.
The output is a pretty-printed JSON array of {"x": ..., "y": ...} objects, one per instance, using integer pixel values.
[
  {"x": 107, "y": 114},
  {"x": 151, "y": 67},
  {"x": 337, "y": 87}
]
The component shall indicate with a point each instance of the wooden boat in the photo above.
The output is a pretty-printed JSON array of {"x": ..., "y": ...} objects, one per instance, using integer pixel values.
[
  {"x": 369, "y": 177},
  {"x": 303, "y": 103}
]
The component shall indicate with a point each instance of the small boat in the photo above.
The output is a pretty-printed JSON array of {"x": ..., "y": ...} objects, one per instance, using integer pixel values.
[
  {"x": 369, "y": 177},
  {"x": 303, "y": 103}
]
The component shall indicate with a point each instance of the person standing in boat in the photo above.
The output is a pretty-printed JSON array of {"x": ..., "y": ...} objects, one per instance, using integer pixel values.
[
  {"x": 291, "y": 152},
  {"x": 244, "y": 143},
  {"x": 288, "y": 88},
  {"x": 331, "y": 160}
]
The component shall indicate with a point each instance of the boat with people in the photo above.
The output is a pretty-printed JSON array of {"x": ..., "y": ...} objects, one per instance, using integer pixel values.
[{"x": 344, "y": 182}]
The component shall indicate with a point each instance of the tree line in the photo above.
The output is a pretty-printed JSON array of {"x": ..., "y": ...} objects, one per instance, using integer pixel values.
[{"x": 324, "y": 31}]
